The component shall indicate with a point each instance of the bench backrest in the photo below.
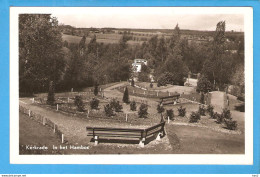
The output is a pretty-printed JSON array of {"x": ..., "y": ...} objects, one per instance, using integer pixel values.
[
  {"x": 124, "y": 132},
  {"x": 116, "y": 132},
  {"x": 169, "y": 97},
  {"x": 155, "y": 129}
]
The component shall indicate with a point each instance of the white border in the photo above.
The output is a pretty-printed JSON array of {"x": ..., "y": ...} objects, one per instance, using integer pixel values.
[{"x": 245, "y": 159}]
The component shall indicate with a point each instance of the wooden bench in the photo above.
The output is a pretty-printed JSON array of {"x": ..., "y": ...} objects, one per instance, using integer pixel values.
[
  {"x": 170, "y": 99},
  {"x": 126, "y": 133}
]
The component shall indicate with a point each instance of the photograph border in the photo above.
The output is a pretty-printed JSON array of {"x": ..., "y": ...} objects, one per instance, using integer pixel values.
[
  {"x": 10, "y": 168},
  {"x": 227, "y": 159}
]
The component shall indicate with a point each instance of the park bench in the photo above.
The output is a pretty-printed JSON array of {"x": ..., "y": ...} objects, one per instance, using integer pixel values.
[
  {"x": 173, "y": 99},
  {"x": 141, "y": 135}
]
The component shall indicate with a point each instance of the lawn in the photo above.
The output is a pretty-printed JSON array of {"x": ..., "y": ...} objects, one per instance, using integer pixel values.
[
  {"x": 200, "y": 140},
  {"x": 34, "y": 133}
]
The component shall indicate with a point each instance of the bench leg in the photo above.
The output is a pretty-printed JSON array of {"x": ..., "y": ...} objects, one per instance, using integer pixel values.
[
  {"x": 96, "y": 140},
  {"x": 158, "y": 136},
  {"x": 141, "y": 143}
]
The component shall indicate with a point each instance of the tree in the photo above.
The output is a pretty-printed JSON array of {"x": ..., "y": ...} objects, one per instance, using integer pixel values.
[
  {"x": 126, "y": 96},
  {"x": 161, "y": 49},
  {"x": 144, "y": 75},
  {"x": 238, "y": 81},
  {"x": 219, "y": 65},
  {"x": 176, "y": 68},
  {"x": 40, "y": 52},
  {"x": 203, "y": 84},
  {"x": 96, "y": 89},
  {"x": 51, "y": 96}
]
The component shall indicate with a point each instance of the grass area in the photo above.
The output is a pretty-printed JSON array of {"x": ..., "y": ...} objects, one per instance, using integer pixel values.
[
  {"x": 33, "y": 133},
  {"x": 199, "y": 140},
  {"x": 195, "y": 96},
  {"x": 155, "y": 87},
  {"x": 144, "y": 93}
]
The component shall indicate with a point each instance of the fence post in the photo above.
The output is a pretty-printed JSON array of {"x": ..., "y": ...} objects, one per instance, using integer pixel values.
[
  {"x": 88, "y": 114},
  {"x": 54, "y": 127},
  {"x": 157, "y": 93},
  {"x": 168, "y": 119},
  {"x": 29, "y": 113},
  {"x": 62, "y": 138},
  {"x": 169, "y": 93},
  {"x": 126, "y": 118},
  {"x": 57, "y": 107},
  {"x": 32, "y": 100},
  {"x": 96, "y": 140},
  {"x": 43, "y": 121}
]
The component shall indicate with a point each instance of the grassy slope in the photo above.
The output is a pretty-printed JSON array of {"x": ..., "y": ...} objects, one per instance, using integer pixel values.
[{"x": 199, "y": 140}]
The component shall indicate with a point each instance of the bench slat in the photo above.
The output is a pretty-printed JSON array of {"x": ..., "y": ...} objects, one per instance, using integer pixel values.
[{"x": 115, "y": 129}]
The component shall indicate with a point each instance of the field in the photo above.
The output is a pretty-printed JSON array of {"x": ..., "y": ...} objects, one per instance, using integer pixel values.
[{"x": 101, "y": 38}]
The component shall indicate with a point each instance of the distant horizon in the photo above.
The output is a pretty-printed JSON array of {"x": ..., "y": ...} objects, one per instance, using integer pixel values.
[
  {"x": 200, "y": 18},
  {"x": 149, "y": 28}
]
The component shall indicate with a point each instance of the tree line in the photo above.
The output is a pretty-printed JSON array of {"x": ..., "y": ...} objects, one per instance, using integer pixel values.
[{"x": 44, "y": 57}]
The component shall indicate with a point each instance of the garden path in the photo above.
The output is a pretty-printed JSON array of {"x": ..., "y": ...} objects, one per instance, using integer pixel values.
[{"x": 217, "y": 100}]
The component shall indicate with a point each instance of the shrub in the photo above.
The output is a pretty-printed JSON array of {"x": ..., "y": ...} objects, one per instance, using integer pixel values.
[
  {"x": 94, "y": 103},
  {"x": 96, "y": 90},
  {"x": 170, "y": 114},
  {"x": 210, "y": 110},
  {"x": 126, "y": 96},
  {"x": 182, "y": 111},
  {"x": 51, "y": 97},
  {"x": 194, "y": 117},
  {"x": 160, "y": 108},
  {"x": 116, "y": 106},
  {"x": 202, "y": 110},
  {"x": 230, "y": 124},
  {"x": 108, "y": 110},
  {"x": 240, "y": 108},
  {"x": 133, "y": 106},
  {"x": 226, "y": 113},
  {"x": 79, "y": 103},
  {"x": 219, "y": 117},
  {"x": 143, "y": 110}
]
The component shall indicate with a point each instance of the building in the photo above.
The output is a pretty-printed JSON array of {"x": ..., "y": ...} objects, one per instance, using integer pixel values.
[{"x": 137, "y": 65}]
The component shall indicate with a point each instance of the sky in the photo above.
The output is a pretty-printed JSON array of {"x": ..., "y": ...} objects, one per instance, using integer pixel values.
[{"x": 151, "y": 18}]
